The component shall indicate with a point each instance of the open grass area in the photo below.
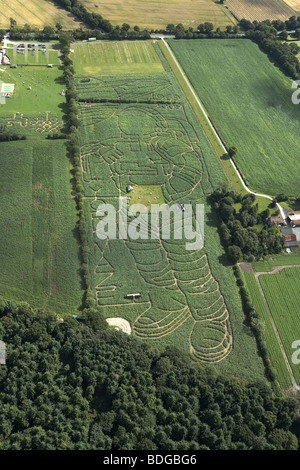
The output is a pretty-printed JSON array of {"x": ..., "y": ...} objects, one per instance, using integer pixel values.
[
  {"x": 278, "y": 260},
  {"x": 43, "y": 96},
  {"x": 39, "y": 253},
  {"x": 249, "y": 101},
  {"x": 158, "y": 13},
  {"x": 35, "y": 13},
  {"x": 146, "y": 134},
  {"x": 28, "y": 56},
  {"x": 261, "y": 10},
  {"x": 115, "y": 58},
  {"x": 146, "y": 195}
]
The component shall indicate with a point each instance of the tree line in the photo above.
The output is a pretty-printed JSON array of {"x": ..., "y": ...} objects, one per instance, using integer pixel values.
[
  {"x": 73, "y": 152},
  {"x": 78, "y": 386},
  {"x": 242, "y": 240}
]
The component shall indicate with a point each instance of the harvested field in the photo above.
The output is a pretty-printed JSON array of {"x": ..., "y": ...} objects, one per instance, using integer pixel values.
[
  {"x": 159, "y": 13},
  {"x": 295, "y": 4},
  {"x": 36, "y": 13},
  {"x": 261, "y": 9}
]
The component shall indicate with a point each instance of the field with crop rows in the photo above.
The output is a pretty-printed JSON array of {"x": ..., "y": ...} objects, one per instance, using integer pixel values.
[
  {"x": 38, "y": 13},
  {"x": 249, "y": 101},
  {"x": 39, "y": 253},
  {"x": 145, "y": 134},
  {"x": 260, "y": 10},
  {"x": 158, "y": 14},
  {"x": 281, "y": 292},
  {"x": 115, "y": 58},
  {"x": 273, "y": 347}
]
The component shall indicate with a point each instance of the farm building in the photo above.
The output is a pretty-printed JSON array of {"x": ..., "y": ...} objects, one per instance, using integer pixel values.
[
  {"x": 290, "y": 238},
  {"x": 276, "y": 220},
  {"x": 294, "y": 219}
]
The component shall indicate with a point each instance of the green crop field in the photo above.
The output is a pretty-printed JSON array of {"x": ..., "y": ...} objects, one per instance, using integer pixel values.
[
  {"x": 39, "y": 253},
  {"x": 115, "y": 58},
  {"x": 273, "y": 347},
  {"x": 145, "y": 134},
  {"x": 249, "y": 101},
  {"x": 281, "y": 293}
]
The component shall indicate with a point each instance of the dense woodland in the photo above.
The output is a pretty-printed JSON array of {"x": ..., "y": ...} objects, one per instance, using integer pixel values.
[{"x": 71, "y": 385}]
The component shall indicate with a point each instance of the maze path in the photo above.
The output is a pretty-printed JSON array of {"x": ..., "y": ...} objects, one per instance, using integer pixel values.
[{"x": 151, "y": 144}]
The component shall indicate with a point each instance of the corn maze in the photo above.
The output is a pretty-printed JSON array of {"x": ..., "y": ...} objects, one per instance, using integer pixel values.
[
  {"x": 41, "y": 123},
  {"x": 148, "y": 138}
]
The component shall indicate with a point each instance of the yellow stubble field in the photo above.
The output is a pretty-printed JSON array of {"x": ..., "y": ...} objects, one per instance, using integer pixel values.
[
  {"x": 35, "y": 13},
  {"x": 157, "y": 14}
]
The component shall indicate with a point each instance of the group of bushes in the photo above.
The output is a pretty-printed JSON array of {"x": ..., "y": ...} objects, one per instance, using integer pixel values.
[
  {"x": 7, "y": 136},
  {"x": 73, "y": 149},
  {"x": 237, "y": 227},
  {"x": 265, "y": 34}
]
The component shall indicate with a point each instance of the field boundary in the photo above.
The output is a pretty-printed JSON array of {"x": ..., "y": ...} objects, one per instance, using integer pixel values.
[
  {"x": 275, "y": 270},
  {"x": 215, "y": 132}
]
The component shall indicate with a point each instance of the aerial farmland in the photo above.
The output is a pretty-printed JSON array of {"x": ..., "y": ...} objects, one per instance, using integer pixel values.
[{"x": 150, "y": 225}]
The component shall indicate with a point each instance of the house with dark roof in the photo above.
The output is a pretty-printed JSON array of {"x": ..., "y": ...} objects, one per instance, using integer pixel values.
[
  {"x": 276, "y": 220},
  {"x": 290, "y": 238}
]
